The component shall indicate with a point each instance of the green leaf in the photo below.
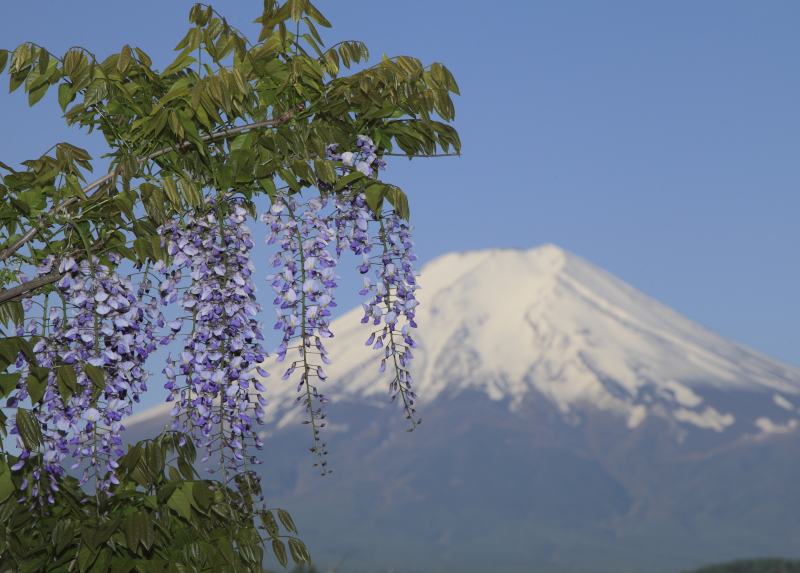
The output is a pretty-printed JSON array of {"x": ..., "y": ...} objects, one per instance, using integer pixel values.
[
  {"x": 226, "y": 548},
  {"x": 375, "y": 194},
  {"x": 286, "y": 520},
  {"x": 105, "y": 531},
  {"x": 202, "y": 495},
  {"x": 184, "y": 59},
  {"x": 8, "y": 382},
  {"x": 270, "y": 524},
  {"x": 75, "y": 186},
  {"x": 348, "y": 179},
  {"x": 174, "y": 474},
  {"x": 33, "y": 565},
  {"x": 122, "y": 565},
  {"x": 324, "y": 171},
  {"x": 96, "y": 92},
  {"x": 67, "y": 381},
  {"x": 63, "y": 534},
  {"x": 142, "y": 249},
  {"x": 144, "y": 58},
  {"x": 171, "y": 191},
  {"x": 7, "y": 486},
  {"x": 186, "y": 469},
  {"x": 29, "y": 429},
  {"x": 268, "y": 185},
  {"x": 153, "y": 461},
  {"x": 102, "y": 562},
  {"x": 399, "y": 201},
  {"x": 190, "y": 193},
  {"x": 37, "y": 383},
  {"x": 85, "y": 558},
  {"x": 98, "y": 378},
  {"x": 3, "y": 60},
  {"x": 146, "y": 532},
  {"x": 21, "y": 345},
  {"x": 179, "y": 502},
  {"x": 303, "y": 170},
  {"x": 37, "y": 93},
  {"x": 224, "y": 177},
  {"x": 131, "y": 458},
  {"x": 280, "y": 551},
  {"x": 132, "y": 531},
  {"x": 243, "y": 141},
  {"x": 17, "y": 79},
  {"x": 298, "y": 551},
  {"x": 315, "y": 15},
  {"x": 289, "y": 179},
  {"x": 8, "y": 349},
  {"x": 296, "y": 9},
  {"x": 124, "y": 60}
]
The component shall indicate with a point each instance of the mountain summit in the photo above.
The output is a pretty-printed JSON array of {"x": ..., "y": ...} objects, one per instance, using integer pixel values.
[
  {"x": 507, "y": 322},
  {"x": 571, "y": 423}
]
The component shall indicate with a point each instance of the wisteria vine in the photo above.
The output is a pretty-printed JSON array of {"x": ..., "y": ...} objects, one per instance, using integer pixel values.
[{"x": 91, "y": 348}]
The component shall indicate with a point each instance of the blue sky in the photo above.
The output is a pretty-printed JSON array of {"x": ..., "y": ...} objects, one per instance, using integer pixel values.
[{"x": 659, "y": 141}]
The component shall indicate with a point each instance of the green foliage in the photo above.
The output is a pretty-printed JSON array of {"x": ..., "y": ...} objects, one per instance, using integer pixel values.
[
  {"x": 171, "y": 133},
  {"x": 753, "y": 566},
  {"x": 161, "y": 517},
  {"x": 230, "y": 118}
]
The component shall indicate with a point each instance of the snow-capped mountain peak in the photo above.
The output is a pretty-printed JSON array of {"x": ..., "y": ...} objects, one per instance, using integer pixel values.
[{"x": 508, "y": 322}]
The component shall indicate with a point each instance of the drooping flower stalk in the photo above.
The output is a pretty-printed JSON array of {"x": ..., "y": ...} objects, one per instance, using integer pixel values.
[
  {"x": 217, "y": 388},
  {"x": 304, "y": 289},
  {"x": 393, "y": 303}
]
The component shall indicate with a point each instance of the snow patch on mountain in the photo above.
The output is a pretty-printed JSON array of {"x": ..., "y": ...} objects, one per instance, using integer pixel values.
[{"x": 767, "y": 426}]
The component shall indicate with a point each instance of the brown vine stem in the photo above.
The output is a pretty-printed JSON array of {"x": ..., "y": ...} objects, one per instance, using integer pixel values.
[
  {"x": 25, "y": 289},
  {"x": 32, "y": 232},
  {"x": 19, "y": 290}
]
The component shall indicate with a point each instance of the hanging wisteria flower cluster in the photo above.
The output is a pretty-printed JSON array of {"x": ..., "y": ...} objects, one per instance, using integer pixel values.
[
  {"x": 392, "y": 299},
  {"x": 304, "y": 296},
  {"x": 94, "y": 354},
  {"x": 305, "y": 285},
  {"x": 217, "y": 398},
  {"x": 393, "y": 304}
]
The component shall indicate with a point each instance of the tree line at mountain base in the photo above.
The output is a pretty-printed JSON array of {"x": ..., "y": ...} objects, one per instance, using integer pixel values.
[
  {"x": 769, "y": 565},
  {"x": 752, "y": 566}
]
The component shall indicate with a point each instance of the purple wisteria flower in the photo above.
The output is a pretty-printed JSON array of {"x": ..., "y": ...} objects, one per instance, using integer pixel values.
[
  {"x": 304, "y": 291},
  {"x": 393, "y": 304},
  {"x": 94, "y": 352},
  {"x": 217, "y": 398},
  {"x": 392, "y": 301}
]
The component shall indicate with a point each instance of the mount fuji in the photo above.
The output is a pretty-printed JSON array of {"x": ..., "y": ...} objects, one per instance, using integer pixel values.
[{"x": 571, "y": 424}]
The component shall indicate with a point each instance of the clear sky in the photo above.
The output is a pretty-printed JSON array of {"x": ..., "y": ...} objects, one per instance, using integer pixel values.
[{"x": 658, "y": 140}]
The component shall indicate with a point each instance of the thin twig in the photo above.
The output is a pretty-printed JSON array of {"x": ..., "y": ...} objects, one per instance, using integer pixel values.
[{"x": 220, "y": 134}]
